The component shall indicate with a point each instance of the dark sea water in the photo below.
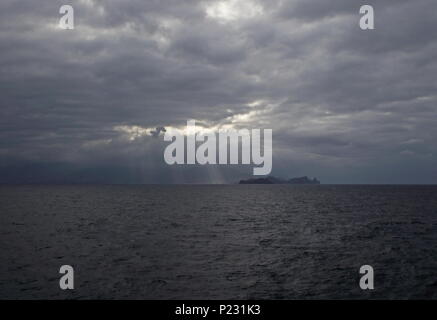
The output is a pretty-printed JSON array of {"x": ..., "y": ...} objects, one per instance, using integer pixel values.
[{"x": 218, "y": 241}]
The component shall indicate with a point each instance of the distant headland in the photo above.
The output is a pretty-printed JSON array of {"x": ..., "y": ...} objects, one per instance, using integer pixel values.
[{"x": 274, "y": 180}]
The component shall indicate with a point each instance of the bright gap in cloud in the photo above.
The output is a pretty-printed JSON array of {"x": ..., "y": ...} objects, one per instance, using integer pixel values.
[{"x": 232, "y": 10}]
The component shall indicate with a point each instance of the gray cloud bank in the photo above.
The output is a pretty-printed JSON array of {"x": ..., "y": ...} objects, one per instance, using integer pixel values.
[{"x": 345, "y": 105}]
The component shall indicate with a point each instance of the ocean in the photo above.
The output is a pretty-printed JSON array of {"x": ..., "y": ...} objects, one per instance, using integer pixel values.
[{"x": 218, "y": 241}]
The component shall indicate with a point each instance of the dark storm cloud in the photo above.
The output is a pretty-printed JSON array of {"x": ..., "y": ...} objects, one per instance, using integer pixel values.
[{"x": 345, "y": 104}]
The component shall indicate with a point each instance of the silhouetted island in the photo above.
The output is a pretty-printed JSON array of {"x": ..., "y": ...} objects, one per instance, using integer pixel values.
[{"x": 274, "y": 180}]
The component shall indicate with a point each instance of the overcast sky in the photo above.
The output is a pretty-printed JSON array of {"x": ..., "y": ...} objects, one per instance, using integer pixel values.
[{"x": 345, "y": 105}]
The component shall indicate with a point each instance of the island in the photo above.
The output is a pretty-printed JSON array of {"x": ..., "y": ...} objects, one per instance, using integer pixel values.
[{"x": 274, "y": 180}]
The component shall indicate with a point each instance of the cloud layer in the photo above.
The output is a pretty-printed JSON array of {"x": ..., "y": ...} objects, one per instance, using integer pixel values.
[{"x": 345, "y": 105}]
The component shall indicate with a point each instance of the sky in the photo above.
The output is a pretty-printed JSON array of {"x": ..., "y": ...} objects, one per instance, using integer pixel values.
[{"x": 345, "y": 105}]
